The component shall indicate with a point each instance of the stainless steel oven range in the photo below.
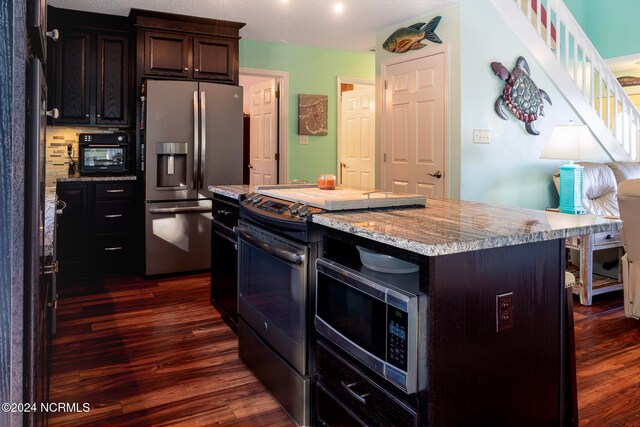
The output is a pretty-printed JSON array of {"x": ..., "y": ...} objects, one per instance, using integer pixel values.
[{"x": 277, "y": 248}]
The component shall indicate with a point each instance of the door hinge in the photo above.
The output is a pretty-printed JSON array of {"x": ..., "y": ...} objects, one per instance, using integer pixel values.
[
  {"x": 384, "y": 157},
  {"x": 277, "y": 94},
  {"x": 385, "y": 85},
  {"x": 277, "y": 156}
]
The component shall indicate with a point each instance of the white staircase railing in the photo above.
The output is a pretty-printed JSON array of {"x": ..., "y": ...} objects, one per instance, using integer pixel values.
[{"x": 573, "y": 51}]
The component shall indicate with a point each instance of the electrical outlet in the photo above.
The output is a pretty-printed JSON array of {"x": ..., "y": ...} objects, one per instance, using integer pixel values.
[
  {"x": 481, "y": 136},
  {"x": 504, "y": 311},
  {"x": 304, "y": 139}
]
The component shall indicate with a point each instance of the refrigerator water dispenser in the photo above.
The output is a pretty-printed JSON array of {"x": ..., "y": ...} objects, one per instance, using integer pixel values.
[{"x": 172, "y": 165}]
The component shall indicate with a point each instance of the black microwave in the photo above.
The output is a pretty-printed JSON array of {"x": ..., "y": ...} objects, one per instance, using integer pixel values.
[
  {"x": 103, "y": 153},
  {"x": 378, "y": 318}
]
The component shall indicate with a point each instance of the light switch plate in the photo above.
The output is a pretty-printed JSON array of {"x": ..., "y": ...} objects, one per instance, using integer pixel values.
[
  {"x": 304, "y": 139},
  {"x": 481, "y": 136}
]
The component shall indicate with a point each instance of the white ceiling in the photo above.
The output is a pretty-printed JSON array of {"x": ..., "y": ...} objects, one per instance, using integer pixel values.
[{"x": 299, "y": 22}]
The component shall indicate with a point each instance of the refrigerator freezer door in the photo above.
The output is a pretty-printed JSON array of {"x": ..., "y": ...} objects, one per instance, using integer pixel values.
[
  {"x": 172, "y": 132},
  {"x": 177, "y": 236},
  {"x": 221, "y": 138}
]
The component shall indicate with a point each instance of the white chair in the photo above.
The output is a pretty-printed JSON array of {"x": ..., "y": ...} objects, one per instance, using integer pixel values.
[{"x": 629, "y": 205}]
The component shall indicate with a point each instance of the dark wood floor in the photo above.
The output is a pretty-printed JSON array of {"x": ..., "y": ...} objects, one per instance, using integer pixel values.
[
  {"x": 608, "y": 363},
  {"x": 154, "y": 352}
]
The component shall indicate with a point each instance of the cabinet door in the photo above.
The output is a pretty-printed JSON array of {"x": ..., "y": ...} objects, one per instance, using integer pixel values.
[
  {"x": 166, "y": 54},
  {"x": 215, "y": 59},
  {"x": 72, "y": 80},
  {"x": 73, "y": 230},
  {"x": 112, "y": 95}
]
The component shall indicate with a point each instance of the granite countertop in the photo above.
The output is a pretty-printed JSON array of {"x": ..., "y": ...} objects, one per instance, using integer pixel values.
[
  {"x": 452, "y": 226},
  {"x": 98, "y": 178},
  {"x": 232, "y": 191},
  {"x": 49, "y": 219}
]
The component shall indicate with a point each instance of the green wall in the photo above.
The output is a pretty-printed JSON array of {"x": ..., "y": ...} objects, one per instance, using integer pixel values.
[
  {"x": 612, "y": 25},
  {"x": 508, "y": 170},
  {"x": 311, "y": 71}
]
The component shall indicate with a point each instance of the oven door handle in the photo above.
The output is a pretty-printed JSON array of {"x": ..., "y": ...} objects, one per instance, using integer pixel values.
[{"x": 283, "y": 254}]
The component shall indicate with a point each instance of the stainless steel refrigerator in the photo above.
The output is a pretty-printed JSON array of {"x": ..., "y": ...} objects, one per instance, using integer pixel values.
[{"x": 193, "y": 139}]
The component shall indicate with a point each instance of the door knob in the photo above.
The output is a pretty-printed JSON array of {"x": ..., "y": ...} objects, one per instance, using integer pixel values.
[
  {"x": 344, "y": 165},
  {"x": 438, "y": 174},
  {"x": 250, "y": 166},
  {"x": 55, "y": 113}
]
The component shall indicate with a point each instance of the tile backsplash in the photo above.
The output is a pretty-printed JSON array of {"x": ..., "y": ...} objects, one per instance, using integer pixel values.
[{"x": 58, "y": 137}]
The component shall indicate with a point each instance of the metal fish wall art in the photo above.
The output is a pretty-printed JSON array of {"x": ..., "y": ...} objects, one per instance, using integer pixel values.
[{"x": 409, "y": 38}]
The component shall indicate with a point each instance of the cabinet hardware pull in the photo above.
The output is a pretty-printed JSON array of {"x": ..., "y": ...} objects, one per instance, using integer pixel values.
[
  {"x": 114, "y": 248},
  {"x": 224, "y": 212},
  {"x": 60, "y": 207},
  {"x": 98, "y": 115},
  {"x": 53, "y": 34},
  {"x": 186, "y": 68},
  {"x": 360, "y": 398},
  {"x": 609, "y": 237},
  {"x": 113, "y": 216},
  {"x": 55, "y": 113},
  {"x": 86, "y": 115},
  {"x": 197, "y": 70},
  {"x": 51, "y": 268},
  {"x": 116, "y": 191}
]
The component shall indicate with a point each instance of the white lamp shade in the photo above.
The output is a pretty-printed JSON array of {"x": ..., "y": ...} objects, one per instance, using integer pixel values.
[{"x": 572, "y": 142}]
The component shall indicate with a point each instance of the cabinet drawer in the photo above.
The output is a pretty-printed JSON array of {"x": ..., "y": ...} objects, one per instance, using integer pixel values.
[
  {"x": 607, "y": 238},
  {"x": 332, "y": 412},
  {"x": 114, "y": 190},
  {"x": 366, "y": 399},
  {"x": 226, "y": 213},
  {"x": 600, "y": 240},
  {"x": 112, "y": 253},
  {"x": 113, "y": 217}
]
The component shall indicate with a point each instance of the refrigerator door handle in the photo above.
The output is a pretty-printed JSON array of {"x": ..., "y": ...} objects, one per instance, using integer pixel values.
[
  {"x": 203, "y": 130},
  {"x": 196, "y": 139}
]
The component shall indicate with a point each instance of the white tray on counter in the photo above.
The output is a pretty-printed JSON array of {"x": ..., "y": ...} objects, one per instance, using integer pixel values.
[{"x": 341, "y": 198}]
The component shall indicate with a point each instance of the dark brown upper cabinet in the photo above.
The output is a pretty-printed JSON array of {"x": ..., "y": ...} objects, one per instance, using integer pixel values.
[
  {"x": 112, "y": 86},
  {"x": 166, "y": 54},
  {"x": 89, "y": 69},
  {"x": 183, "y": 47}
]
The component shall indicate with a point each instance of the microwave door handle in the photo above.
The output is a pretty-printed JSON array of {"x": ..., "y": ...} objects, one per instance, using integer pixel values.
[
  {"x": 203, "y": 136},
  {"x": 283, "y": 254},
  {"x": 196, "y": 139}
]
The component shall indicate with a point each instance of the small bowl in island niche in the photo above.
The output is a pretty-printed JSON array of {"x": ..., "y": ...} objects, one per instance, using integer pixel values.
[{"x": 385, "y": 263}]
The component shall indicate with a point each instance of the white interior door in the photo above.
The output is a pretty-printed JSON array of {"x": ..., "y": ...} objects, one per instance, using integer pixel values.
[
  {"x": 357, "y": 143},
  {"x": 263, "y": 139},
  {"x": 415, "y": 123}
]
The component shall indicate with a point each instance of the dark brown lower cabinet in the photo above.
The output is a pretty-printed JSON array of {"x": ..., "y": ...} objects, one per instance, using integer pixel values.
[
  {"x": 224, "y": 259},
  {"x": 95, "y": 230},
  {"x": 346, "y": 394}
]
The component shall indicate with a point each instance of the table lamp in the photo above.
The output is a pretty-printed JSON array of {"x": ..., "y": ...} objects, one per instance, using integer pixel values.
[{"x": 571, "y": 142}]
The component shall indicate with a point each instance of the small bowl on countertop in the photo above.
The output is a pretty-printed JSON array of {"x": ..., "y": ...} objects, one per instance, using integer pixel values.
[{"x": 385, "y": 263}]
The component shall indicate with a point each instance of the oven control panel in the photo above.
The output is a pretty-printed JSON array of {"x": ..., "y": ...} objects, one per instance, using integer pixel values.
[{"x": 281, "y": 210}]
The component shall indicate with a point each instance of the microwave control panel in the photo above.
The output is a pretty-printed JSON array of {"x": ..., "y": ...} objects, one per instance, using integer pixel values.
[{"x": 397, "y": 322}]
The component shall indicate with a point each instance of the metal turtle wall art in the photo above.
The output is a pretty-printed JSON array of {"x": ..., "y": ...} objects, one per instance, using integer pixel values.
[
  {"x": 410, "y": 38},
  {"x": 520, "y": 95}
]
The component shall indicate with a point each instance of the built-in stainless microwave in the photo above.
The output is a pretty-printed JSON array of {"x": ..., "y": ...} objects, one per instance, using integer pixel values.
[
  {"x": 103, "y": 153},
  {"x": 378, "y": 318}
]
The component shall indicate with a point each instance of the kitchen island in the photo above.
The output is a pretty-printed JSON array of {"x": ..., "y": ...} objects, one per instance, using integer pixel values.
[
  {"x": 475, "y": 367},
  {"x": 478, "y": 370}
]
